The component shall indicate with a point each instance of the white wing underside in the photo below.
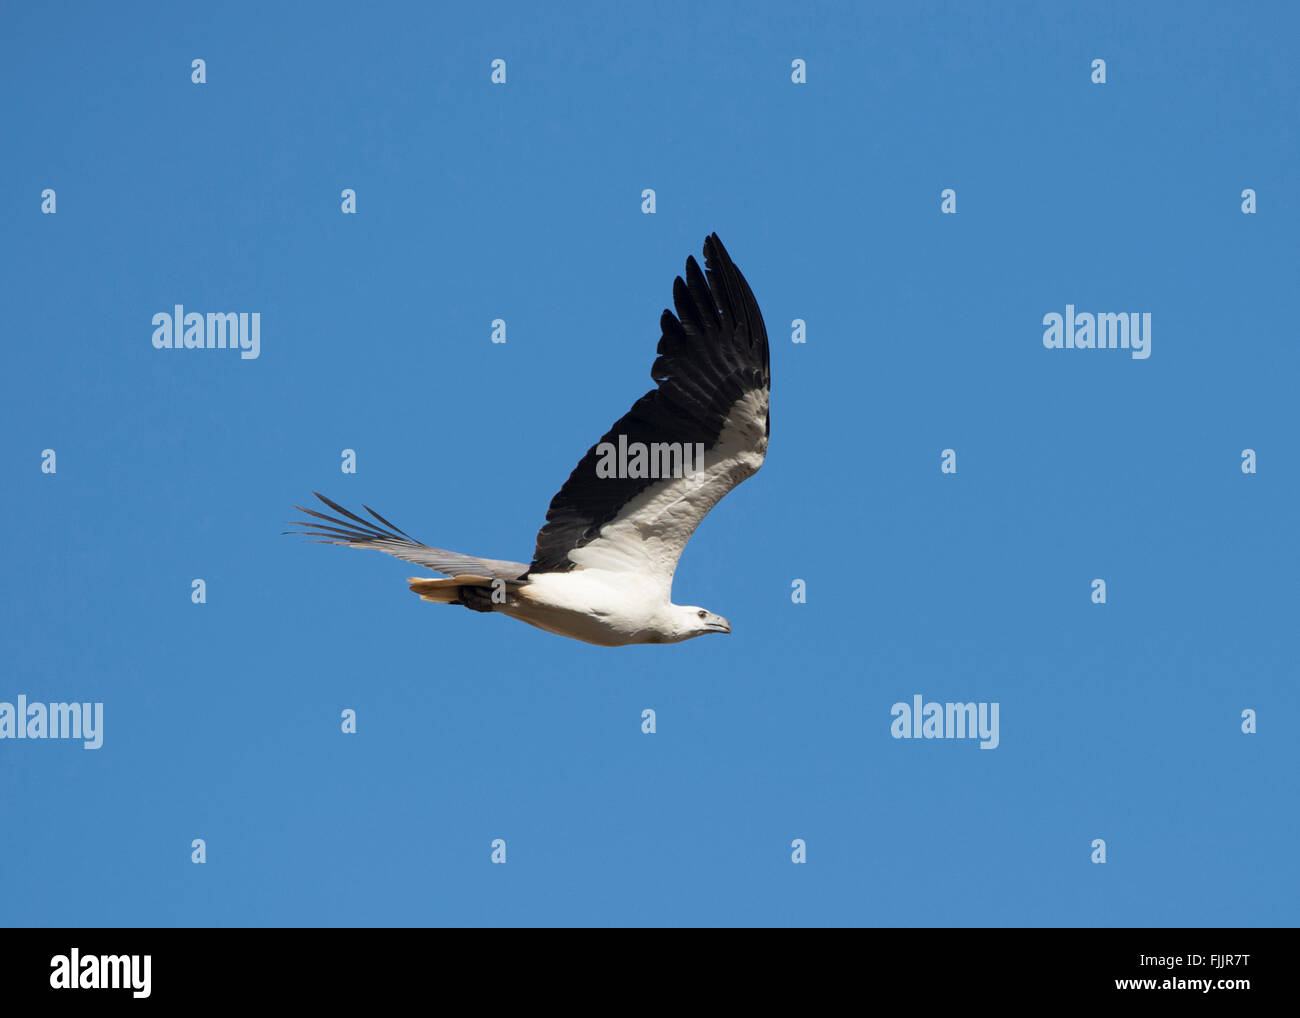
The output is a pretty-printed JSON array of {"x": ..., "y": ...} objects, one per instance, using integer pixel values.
[{"x": 647, "y": 537}]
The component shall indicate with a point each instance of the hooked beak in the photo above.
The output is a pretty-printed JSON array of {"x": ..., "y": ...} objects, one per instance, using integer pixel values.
[{"x": 719, "y": 626}]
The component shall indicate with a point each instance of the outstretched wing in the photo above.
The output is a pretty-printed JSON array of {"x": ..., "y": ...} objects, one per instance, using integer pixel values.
[
  {"x": 355, "y": 532},
  {"x": 713, "y": 380}
]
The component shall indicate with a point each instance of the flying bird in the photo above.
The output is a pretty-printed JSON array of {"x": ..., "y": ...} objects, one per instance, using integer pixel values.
[{"x": 602, "y": 570}]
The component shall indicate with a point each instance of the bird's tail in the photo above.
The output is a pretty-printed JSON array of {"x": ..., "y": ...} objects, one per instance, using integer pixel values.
[{"x": 439, "y": 591}]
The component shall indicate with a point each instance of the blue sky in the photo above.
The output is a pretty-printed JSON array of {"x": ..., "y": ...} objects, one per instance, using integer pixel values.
[{"x": 477, "y": 201}]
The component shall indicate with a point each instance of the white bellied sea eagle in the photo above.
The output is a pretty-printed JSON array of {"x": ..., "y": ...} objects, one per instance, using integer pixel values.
[{"x": 602, "y": 570}]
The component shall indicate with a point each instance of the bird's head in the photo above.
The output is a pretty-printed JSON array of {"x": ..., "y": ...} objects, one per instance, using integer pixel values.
[{"x": 692, "y": 620}]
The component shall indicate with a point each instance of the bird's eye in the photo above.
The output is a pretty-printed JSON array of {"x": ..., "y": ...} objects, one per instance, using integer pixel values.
[{"x": 702, "y": 614}]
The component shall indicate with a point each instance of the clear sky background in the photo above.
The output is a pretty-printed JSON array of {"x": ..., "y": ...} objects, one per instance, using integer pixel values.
[{"x": 523, "y": 202}]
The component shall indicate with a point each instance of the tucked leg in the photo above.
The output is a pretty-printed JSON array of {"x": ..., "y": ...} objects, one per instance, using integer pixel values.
[{"x": 477, "y": 599}]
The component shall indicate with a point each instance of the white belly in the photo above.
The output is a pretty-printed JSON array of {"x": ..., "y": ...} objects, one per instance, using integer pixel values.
[{"x": 589, "y": 607}]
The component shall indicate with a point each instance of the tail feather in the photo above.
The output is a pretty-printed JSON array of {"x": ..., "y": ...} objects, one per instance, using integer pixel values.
[{"x": 446, "y": 591}]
